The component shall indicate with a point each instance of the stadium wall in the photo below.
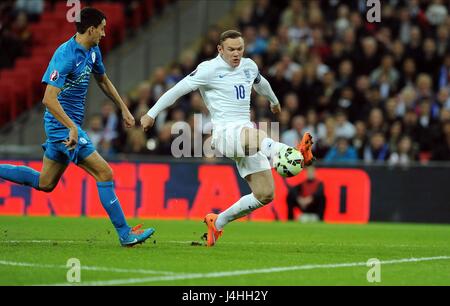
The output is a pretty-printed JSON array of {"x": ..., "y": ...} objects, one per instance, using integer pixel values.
[{"x": 189, "y": 190}]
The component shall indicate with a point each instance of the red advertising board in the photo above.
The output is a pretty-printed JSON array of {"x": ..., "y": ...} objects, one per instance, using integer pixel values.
[{"x": 144, "y": 192}]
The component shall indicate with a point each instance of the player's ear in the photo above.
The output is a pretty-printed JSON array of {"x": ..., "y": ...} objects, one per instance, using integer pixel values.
[{"x": 219, "y": 48}]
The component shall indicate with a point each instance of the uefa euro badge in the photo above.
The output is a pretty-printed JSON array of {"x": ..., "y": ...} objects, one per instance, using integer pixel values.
[
  {"x": 93, "y": 57},
  {"x": 54, "y": 76}
]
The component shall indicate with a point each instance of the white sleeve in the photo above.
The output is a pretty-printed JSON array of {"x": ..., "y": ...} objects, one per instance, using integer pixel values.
[
  {"x": 199, "y": 77},
  {"x": 169, "y": 97},
  {"x": 263, "y": 88}
]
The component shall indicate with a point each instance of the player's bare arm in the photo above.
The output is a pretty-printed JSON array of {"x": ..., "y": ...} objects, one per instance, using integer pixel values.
[
  {"x": 110, "y": 91},
  {"x": 51, "y": 102}
]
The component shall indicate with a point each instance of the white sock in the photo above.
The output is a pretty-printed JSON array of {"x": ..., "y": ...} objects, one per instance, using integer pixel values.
[
  {"x": 270, "y": 147},
  {"x": 241, "y": 208}
]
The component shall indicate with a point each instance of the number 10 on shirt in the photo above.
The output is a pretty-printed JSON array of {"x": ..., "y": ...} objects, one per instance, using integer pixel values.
[{"x": 240, "y": 92}]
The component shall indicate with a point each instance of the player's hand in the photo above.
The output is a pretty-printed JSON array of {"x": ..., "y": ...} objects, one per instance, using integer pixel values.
[
  {"x": 147, "y": 122},
  {"x": 275, "y": 108},
  {"x": 71, "y": 143},
  {"x": 128, "y": 118}
]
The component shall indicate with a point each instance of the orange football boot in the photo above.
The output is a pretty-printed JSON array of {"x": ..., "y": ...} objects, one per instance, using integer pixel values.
[
  {"x": 305, "y": 147},
  {"x": 213, "y": 234}
]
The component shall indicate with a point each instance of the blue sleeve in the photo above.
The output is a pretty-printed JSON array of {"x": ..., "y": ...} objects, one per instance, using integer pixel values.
[
  {"x": 98, "y": 67},
  {"x": 58, "y": 69}
]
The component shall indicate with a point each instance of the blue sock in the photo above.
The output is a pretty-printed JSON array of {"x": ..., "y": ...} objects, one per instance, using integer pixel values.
[
  {"x": 20, "y": 175},
  {"x": 112, "y": 206}
]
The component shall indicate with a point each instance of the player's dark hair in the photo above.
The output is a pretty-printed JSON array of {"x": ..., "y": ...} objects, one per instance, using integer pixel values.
[
  {"x": 89, "y": 17},
  {"x": 229, "y": 34}
]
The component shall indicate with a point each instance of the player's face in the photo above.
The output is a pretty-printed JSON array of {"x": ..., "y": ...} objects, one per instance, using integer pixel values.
[
  {"x": 98, "y": 33},
  {"x": 232, "y": 51}
]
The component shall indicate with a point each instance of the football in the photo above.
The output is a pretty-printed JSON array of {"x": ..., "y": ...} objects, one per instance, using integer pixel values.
[{"x": 288, "y": 162}]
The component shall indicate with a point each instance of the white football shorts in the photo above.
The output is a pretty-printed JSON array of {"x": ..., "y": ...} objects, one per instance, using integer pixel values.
[{"x": 227, "y": 140}]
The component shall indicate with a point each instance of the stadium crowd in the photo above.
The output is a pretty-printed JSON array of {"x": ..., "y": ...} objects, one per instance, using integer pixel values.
[
  {"x": 15, "y": 35},
  {"x": 366, "y": 91},
  {"x": 17, "y": 15}
]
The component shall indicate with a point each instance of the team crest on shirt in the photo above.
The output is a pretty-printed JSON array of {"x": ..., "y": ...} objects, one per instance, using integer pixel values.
[
  {"x": 93, "y": 57},
  {"x": 54, "y": 76},
  {"x": 247, "y": 73}
]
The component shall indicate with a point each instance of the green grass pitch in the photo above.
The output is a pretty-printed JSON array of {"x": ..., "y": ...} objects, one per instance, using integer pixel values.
[{"x": 34, "y": 251}]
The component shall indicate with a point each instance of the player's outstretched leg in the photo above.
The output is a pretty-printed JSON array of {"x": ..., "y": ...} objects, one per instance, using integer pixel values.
[
  {"x": 262, "y": 186},
  {"x": 20, "y": 175},
  {"x": 100, "y": 170},
  {"x": 46, "y": 180}
]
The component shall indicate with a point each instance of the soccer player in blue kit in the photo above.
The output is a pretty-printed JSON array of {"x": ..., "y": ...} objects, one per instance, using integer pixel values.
[{"x": 67, "y": 78}]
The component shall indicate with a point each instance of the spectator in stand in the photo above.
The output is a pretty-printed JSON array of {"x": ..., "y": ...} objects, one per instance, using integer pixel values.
[
  {"x": 385, "y": 76},
  {"x": 377, "y": 150},
  {"x": 370, "y": 56},
  {"x": 293, "y": 136},
  {"x": 137, "y": 142},
  {"x": 95, "y": 130},
  {"x": 408, "y": 75},
  {"x": 376, "y": 123},
  {"x": 291, "y": 103},
  {"x": 360, "y": 140},
  {"x": 21, "y": 33},
  {"x": 309, "y": 197},
  {"x": 33, "y": 8},
  {"x": 326, "y": 142},
  {"x": 313, "y": 126},
  {"x": 406, "y": 101},
  {"x": 443, "y": 78},
  {"x": 110, "y": 123},
  {"x": 405, "y": 152},
  {"x": 394, "y": 135},
  {"x": 429, "y": 61},
  {"x": 424, "y": 85},
  {"x": 341, "y": 152},
  {"x": 141, "y": 105},
  {"x": 343, "y": 127}
]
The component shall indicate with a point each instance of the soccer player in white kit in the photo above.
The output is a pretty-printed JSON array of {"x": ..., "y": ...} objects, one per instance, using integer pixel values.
[{"x": 225, "y": 84}]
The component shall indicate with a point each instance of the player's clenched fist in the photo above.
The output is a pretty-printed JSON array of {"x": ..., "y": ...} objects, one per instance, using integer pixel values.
[
  {"x": 275, "y": 108},
  {"x": 147, "y": 122},
  {"x": 128, "y": 118}
]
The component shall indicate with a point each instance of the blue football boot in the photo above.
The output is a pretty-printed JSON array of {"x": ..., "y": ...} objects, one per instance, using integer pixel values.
[{"x": 137, "y": 236}]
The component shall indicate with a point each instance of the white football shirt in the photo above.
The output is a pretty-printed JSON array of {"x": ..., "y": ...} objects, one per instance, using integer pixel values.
[{"x": 225, "y": 90}]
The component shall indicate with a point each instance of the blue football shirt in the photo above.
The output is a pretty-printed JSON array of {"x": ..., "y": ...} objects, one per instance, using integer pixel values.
[{"x": 70, "y": 70}]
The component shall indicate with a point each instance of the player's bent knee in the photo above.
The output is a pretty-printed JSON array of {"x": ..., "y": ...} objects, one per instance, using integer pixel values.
[
  {"x": 47, "y": 187},
  {"x": 265, "y": 197},
  {"x": 106, "y": 175}
]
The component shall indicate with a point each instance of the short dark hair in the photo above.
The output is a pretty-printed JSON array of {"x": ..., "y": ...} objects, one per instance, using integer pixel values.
[
  {"x": 229, "y": 34},
  {"x": 89, "y": 17}
]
